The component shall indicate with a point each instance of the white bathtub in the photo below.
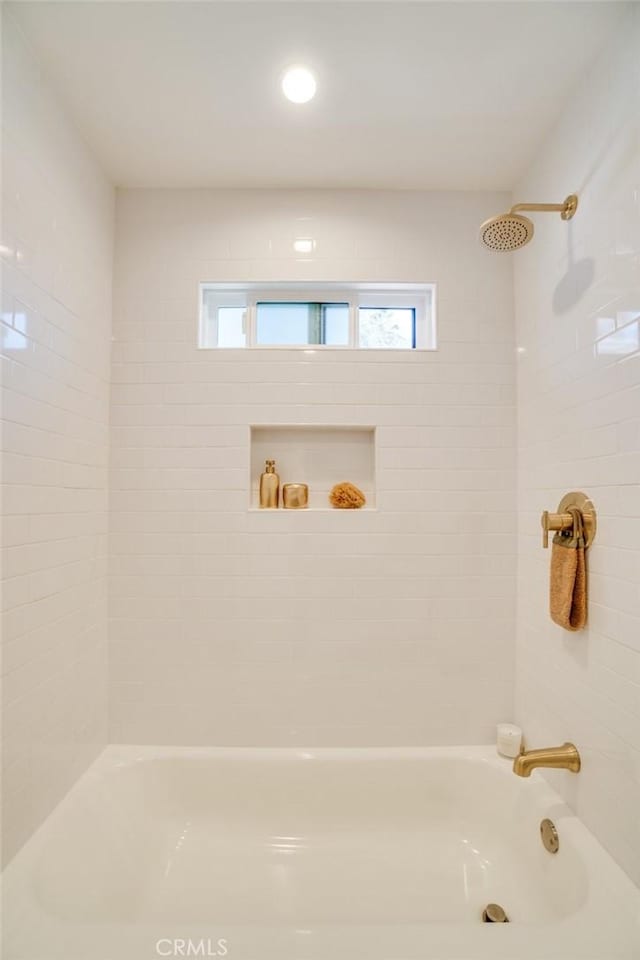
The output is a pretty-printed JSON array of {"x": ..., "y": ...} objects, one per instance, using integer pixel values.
[{"x": 278, "y": 854}]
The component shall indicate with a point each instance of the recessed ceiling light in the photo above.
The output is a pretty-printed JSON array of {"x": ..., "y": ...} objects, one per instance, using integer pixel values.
[
  {"x": 304, "y": 244},
  {"x": 299, "y": 85}
]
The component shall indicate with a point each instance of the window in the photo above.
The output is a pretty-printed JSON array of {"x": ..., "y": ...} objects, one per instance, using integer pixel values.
[
  {"x": 231, "y": 327},
  {"x": 289, "y": 323},
  {"x": 365, "y": 317},
  {"x": 387, "y": 327}
]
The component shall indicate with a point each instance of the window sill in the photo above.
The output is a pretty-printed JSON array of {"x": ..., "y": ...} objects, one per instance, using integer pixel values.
[{"x": 321, "y": 348}]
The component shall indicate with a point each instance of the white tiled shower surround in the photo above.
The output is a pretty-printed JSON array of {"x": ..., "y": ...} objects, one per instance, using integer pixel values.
[
  {"x": 394, "y": 626},
  {"x": 386, "y": 627},
  {"x": 578, "y": 318},
  {"x": 57, "y": 241}
]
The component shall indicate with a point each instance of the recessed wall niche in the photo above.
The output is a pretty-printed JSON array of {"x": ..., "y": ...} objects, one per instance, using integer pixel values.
[{"x": 317, "y": 455}]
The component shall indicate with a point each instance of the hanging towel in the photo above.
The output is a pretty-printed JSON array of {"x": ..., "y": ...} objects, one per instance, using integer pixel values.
[{"x": 568, "y": 581}]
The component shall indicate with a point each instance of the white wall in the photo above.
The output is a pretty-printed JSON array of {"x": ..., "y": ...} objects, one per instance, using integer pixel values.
[
  {"x": 57, "y": 237},
  {"x": 577, "y": 285},
  {"x": 388, "y": 627}
]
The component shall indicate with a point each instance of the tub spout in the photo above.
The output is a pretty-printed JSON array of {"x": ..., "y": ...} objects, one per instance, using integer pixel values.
[{"x": 565, "y": 757}]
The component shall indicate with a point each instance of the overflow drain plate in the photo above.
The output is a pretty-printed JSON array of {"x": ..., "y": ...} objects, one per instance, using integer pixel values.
[
  {"x": 493, "y": 913},
  {"x": 549, "y": 836}
]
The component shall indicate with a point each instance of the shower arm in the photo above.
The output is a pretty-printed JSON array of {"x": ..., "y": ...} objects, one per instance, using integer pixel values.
[
  {"x": 566, "y": 209},
  {"x": 537, "y": 206}
]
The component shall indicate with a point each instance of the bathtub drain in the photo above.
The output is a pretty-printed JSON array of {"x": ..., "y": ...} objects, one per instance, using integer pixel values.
[{"x": 493, "y": 913}]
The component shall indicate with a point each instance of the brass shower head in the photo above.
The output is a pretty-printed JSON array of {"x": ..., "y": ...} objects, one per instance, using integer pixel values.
[{"x": 510, "y": 231}]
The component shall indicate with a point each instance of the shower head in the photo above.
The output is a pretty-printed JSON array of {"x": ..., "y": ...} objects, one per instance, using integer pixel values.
[{"x": 510, "y": 231}]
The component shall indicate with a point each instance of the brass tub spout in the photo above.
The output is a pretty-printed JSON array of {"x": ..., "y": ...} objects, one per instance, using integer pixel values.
[{"x": 565, "y": 757}]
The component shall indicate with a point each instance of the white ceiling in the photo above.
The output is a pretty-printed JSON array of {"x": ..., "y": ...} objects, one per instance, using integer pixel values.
[{"x": 410, "y": 95}]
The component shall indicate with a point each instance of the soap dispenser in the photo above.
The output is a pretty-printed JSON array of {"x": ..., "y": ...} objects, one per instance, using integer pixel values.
[{"x": 269, "y": 485}]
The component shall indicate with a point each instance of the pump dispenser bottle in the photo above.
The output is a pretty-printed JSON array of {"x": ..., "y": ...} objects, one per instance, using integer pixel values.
[{"x": 269, "y": 485}]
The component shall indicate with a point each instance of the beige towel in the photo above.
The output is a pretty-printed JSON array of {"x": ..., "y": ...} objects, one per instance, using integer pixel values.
[{"x": 568, "y": 579}]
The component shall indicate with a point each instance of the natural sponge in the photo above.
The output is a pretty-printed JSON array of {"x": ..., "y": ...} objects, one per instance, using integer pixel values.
[{"x": 345, "y": 496}]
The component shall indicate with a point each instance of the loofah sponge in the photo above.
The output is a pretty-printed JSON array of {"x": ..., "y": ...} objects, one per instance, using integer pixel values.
[{"x": 344, "y": 496}]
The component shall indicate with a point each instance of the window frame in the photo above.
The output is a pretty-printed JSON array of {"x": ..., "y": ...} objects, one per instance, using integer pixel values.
[{"x": 419, "y": 297}]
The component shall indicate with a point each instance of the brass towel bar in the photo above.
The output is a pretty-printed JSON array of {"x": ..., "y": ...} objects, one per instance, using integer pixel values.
[{"x": 562, "y": 520}]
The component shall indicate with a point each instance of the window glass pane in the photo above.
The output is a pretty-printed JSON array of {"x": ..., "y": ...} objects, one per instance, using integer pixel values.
[
  {"x": 223, "y": 319},
  {"x": 387, "y": 327},
  {"x": 336, "y": 324},
  {"x": 231, "y": 327},
  {"x": 291, "y": 324}
]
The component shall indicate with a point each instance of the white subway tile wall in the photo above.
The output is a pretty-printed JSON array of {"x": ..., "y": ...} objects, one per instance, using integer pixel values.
[
  {"x": 345, "y": 627},
  {"x": 578, "y": 309},
  {"x": 56, "y": 252},
  {"x": 393, "y": 626}
]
